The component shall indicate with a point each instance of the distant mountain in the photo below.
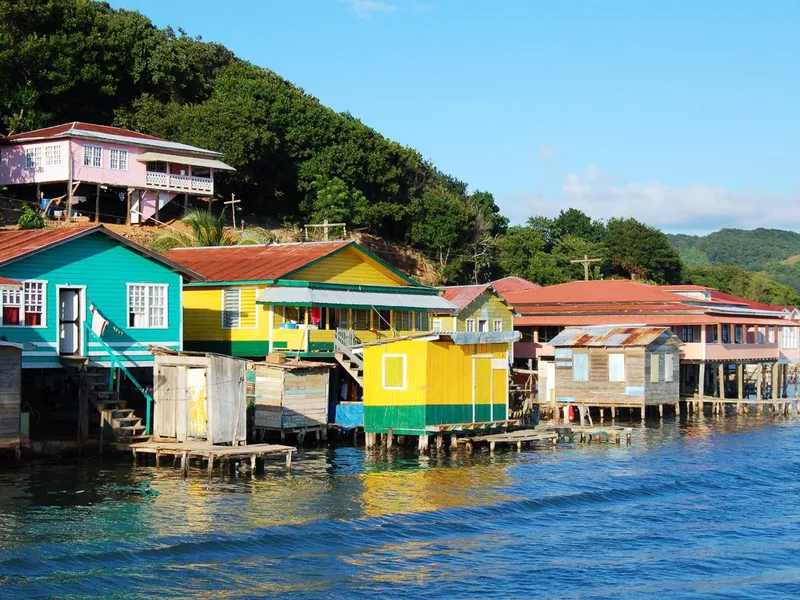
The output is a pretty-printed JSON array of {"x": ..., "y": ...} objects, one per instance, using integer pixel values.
[{"x": 775, "y": 252}]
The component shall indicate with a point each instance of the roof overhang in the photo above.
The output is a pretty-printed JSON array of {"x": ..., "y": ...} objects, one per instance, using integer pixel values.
[
  {"x": 308, "y": 297},
  {"x": 194, "y": 161},
  {"x": 9, "y": 284}
]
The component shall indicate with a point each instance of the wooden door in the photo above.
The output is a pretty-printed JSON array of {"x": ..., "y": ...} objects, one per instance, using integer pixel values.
[{"x": 198, "y": 403}]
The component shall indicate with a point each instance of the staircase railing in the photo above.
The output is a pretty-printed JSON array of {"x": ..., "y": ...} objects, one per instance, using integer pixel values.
[
  {"x": 344, "y": 341},
  {"x": 115, "y": 360}
]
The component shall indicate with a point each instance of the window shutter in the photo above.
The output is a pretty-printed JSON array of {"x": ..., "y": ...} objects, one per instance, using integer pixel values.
[
  {"x": 616, "y": 367},
  {"x": 654, "y": 368},
  {"x": 669, "y": 366},
  {"x": 580, "y": 367},
  {"x": 247, "y": 308},
  {"x": 231, "y": 307}
]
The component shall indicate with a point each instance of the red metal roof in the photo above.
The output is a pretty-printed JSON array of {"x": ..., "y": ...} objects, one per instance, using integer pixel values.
[
  {"x": 5, "y": 282},
  {"x": 463, "y": 295},
  {"x": 252, "y": 263},
  {"x": 644, "y": 320},
  {"x": 549, "y": 309},
  {"x": 610, "y": 335},
  {"x": 722, "y": 297},
  {"x": 597, "y": 291},
  {"x": 76, "y": 126},
  {"x": 687, "y": 288},
  {"x": 15, "y": 244},
  {"x": 513, "y": 284}
]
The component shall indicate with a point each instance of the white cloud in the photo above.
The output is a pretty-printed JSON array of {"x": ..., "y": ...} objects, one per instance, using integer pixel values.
[
  {"x": 694, "y": 207},
  {"x": 366, "y": 9}
]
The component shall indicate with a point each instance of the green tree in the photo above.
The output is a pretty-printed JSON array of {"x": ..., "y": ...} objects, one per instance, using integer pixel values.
[
  {"x": 522, "y": 253},
  {"x": 641, "y": 252},
  {"x": 30, "y": 219}
]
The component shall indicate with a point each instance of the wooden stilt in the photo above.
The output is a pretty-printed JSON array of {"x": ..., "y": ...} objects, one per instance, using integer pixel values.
[
  {"x": 661, "y": 411},
  {"x": 253, "y": 466},
  {"x": 210, "y": 464},
  {"x": 439, "y": 442},
  {"x": 389, "y": 439},
  {"x": 288, "y": 459}
]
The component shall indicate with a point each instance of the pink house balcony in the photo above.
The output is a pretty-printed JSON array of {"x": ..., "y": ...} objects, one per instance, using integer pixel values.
[
  {"x": 179, "y": 183},
  {"x": 732, "y": 352}
]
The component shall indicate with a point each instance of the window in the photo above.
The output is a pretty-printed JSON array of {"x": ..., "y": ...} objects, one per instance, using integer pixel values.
[
  {"x": 24, "y": 306},
  {"x": 580, "y": 366},
  {"x": 711, "y": 334},
  {"x": 231, "y": 309},
  {"x": 669, "y": 367},
  {"x": 394, "y": 371},
  {"x": 616, "y": 367},
  {"x": 294, "y": 314},
  {"x": 737, "y": 336},
  {"x": 384, "y": 320},
  {"x": 157, "y": 166},
  {"x": 497, "y": 325},
  {"x": 52, "y": 155},
  {"x": 483, "y": 325},
  {"x": 654, "y": 368},
  {"x": 119, "y": 160},
  {"x": 726, "y": 334},
  {"x": 437, "y": 324},
  {"x": 12, "y": 307},
  {"x": 687, "y": 333},
  {"x": 341, "y": 316},
  {"x": 420, "y": 321},
  {"x": 34, "y": 303},
  {"x": 92, "y": 156},
  {"x": 471, "y": 325},
  {"x": 403, "y": 320},
  {"x": 147, "y": 306},
  {"x": 771, "y": 335},
  {"x": 789, "y": 337},
  {"x": 33, "y": 157}
]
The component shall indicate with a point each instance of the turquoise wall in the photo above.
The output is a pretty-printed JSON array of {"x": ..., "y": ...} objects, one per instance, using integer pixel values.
[{"x": 105, "y": 267}]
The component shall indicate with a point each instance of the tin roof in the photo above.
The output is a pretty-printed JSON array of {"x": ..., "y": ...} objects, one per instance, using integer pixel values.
[
  {"x": 596, "y": 291},
  {"x": 6, "y": 283},
  {"x": 571, "y": 320},
  {"x": 513, "y": 284},
  {"x": 459, "y": 338},
  {"x": 104, "y": 133},
  {"x": 403, "y": 298},
  {"x": 17, "y": 244},
  {"x": 252, "y": 263},
  {"x": 610, "y": 335},
  {"x": 463, "y": 295}
]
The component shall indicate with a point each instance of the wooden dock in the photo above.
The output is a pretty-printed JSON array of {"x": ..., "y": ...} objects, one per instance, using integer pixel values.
[
  {"x": 209, "y": 452},
  {"x": 518, "y": 438},
  {"x": 602, "y": 433}
]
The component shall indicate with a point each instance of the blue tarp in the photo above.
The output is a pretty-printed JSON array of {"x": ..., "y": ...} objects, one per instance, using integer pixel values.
[{"x": 349, "y": 415}]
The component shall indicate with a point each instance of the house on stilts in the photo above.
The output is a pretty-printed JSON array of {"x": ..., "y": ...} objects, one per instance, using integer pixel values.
[
  {"x": 91, "y": 302},
  {"x": 86, "y": 172}
]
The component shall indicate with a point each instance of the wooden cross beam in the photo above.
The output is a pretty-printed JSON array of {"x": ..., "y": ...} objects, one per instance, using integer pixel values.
[
  {"x": 233, "y": 202},
  {"x": 586, "y": 262}
]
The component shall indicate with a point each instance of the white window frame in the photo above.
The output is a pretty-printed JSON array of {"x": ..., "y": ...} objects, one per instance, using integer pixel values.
[
  {"x": 33, "y": 157},
  {"x": 22, "y": 305},
  {"x": 497, "y": 325},
  {"x": 405, "y": 372},
  {"x": 223, "y": 312},
  {"x": 147, "y": 305},
  {"x": 93, "y": 156},
  {"x": 623, "y": 368},
  {"x": 120, "y": 153},
  {"x": 470, "y": 326},
  {"x": 436, "y": 324},
  {"x": 52, "y": 155}
]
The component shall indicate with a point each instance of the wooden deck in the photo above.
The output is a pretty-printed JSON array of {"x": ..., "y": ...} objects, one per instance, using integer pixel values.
[
  {"x": 551, "y": 434},
  {"x": 518, "y": 438},
  {"x": 210, "y": 453}
]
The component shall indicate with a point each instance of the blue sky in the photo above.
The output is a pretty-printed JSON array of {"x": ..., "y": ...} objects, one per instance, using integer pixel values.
[{"x": 682, "y": 114}]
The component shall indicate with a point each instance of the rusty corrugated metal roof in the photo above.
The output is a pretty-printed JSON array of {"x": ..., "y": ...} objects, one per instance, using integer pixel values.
[
  {"x": 463, "y": 295},
  {"x": 611, "y": 335},
  {"x": 75, "y": 127},
  {"x": 513, "y": 284},
  {"x": 252, "y": 263},
  {"x": 6, "y": 283}
]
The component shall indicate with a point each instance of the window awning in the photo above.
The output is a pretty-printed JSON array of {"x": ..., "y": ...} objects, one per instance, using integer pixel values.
[
  {"x": 291, "y": 296},
  {"x": 194, "y": 161}
]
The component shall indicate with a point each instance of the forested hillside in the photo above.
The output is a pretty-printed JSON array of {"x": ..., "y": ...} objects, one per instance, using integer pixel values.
[
  {"x": 773, "y": 252},
  {"x": 296, "y": 160}
]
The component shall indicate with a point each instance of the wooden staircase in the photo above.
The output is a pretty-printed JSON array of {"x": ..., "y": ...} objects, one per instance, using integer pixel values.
[
  {"x": 344, "y": 344},
  {"x": 115, "y": 417}
]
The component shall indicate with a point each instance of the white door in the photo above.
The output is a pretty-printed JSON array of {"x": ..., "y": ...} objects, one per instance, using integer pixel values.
[{"x": 69, "y": 321}]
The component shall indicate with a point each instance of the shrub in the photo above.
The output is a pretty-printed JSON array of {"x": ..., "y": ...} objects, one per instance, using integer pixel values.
[{"x": 30, "y": 219}]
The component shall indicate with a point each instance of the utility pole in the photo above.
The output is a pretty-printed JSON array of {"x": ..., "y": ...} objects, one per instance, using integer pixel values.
[
  {"x": 586, "y": 262},
  {"x": 233, "y": 202}
]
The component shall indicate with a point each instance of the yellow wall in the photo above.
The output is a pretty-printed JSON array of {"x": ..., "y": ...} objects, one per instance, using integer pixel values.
[
  {"x": 416, "y": 373},
  {"x": 349, "y": 266},
  {"x": 202, "y": 316}
]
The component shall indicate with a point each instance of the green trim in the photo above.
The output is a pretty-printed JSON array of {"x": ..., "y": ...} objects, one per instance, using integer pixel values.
[
  {"x": 227, "y": 283},
  {"x": 320, "y": 346},
  {"x": 354, "y": 307},
  {"x": 413, "y": 419},
  {"x": 356, "y": 287},
  {"x": 249, "y": 349}
]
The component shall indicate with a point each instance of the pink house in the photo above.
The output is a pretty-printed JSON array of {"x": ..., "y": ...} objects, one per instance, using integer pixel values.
[{"x": 134, "y": 174}]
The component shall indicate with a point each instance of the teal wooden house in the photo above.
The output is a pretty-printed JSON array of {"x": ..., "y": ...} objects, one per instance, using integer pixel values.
[{"x": 92, "y": 302}]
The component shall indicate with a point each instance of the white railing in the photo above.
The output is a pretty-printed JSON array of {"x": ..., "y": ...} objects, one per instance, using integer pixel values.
[{"x": 185, "y": 183}]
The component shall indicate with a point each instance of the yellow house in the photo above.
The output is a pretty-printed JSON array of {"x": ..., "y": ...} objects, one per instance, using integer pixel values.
[
  {"x": 298, "y": 298},
  {"x": 414, "y": 385},
  {"x": 480, "y": 309}
]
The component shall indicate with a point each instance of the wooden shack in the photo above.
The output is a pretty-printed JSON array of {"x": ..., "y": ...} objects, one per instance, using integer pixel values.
[
  {"x": 414, "y": 385},
  {"x": 199, "y": 396},
  {"x": 616, "y": 366},
  {"x": 10, "y": 393},
  {"x": 291, "y": 396}
]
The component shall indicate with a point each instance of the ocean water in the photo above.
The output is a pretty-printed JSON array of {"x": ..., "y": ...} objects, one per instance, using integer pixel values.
[{"x": 705, "y": 508}]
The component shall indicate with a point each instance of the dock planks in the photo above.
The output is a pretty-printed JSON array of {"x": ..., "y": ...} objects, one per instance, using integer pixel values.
[{"x": 210, "y": 453}]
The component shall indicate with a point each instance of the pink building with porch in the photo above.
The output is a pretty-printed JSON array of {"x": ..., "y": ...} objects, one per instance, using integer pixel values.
[{"x": 106, "y": 173}]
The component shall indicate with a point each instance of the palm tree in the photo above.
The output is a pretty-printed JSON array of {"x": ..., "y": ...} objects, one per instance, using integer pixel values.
[{"x": 205, "y": 229}]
